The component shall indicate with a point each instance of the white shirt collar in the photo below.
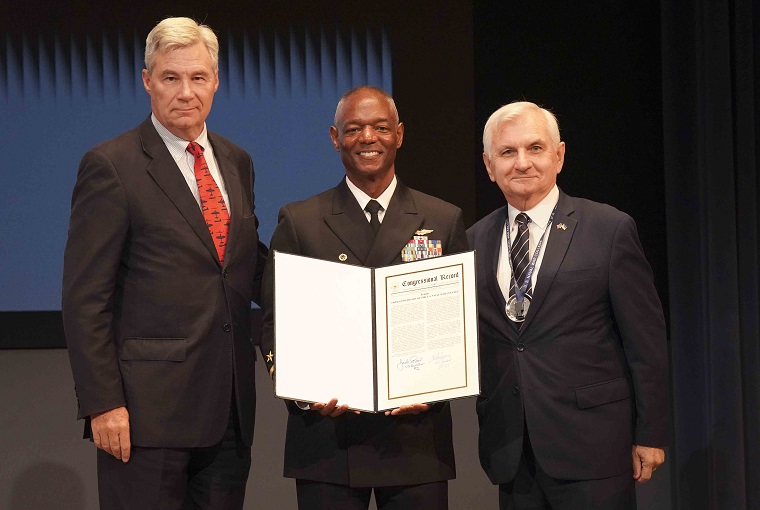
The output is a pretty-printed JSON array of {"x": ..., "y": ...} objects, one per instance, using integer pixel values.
[
  {"x": 178, "y": 146},
  {"x": 363, "y": 198},
  {"x": 539, "y": 215}
]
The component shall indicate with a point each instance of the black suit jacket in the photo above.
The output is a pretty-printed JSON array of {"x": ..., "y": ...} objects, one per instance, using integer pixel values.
[
  {"x": 152, "y": 320},
  {"x": 369, "y": 449},
  {"x": 587, "y": 373}
]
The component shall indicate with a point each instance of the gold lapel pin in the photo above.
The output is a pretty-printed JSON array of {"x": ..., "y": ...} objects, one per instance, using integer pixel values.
[{"x": 343, "y": 257}]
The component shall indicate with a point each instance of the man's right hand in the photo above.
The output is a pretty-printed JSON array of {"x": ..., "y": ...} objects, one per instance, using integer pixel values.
[
  {"x": 330, "y": 409},
  {"x": 110, "y": 431}
]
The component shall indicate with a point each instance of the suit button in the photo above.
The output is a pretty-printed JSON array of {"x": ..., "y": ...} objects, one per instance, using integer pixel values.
[
  {"x": 515, "y": 391},
  {"x": 226, "y": 327},
  {"x": 224, "y": 274},
  {"x": 520, "y": 347}
]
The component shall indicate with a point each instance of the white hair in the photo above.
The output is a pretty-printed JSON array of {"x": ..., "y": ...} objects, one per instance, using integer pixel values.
[
  {"x": 514, "y": 111},
  {"x": 173, "y": 33}
]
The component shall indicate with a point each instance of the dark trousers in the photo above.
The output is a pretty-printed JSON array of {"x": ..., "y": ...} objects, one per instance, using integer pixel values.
[
  {"x": 533, "y": 489},
  {"x": 211, "y": 478},
  {"x": 327, "y": 496}
]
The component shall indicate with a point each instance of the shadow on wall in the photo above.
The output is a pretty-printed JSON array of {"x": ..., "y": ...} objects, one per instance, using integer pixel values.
[{"x": 47, "y": 485}]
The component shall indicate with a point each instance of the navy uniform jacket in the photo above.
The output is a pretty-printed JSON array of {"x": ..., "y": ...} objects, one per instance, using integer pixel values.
[{"x": 366, "y": 450}]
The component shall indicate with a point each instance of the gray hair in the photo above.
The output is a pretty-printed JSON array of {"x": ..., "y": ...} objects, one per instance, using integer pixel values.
[
  {"x": 173, "y": 33},
  {"x": 344, "y": 97},
  {"x": 514, "y": 111}
]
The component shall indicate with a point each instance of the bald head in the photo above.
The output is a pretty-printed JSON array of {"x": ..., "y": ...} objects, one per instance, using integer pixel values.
[{"x": 339, "y": 110}]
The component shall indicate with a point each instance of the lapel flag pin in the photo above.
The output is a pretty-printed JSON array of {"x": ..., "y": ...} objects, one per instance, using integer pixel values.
[{"x": 561, "y": 226}]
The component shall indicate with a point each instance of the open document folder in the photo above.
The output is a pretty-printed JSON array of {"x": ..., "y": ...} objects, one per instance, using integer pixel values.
[{"x": 375, "y": 339}]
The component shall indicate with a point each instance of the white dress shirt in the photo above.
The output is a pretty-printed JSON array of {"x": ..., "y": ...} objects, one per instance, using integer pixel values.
[
  {"x": 539, "y": 219},
  {"x": 186, "y": 161},
  {"x": 384, "y": 199}
]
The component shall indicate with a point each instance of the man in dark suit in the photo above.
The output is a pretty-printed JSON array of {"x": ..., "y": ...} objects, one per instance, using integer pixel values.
[
  {"x": 405, "y": 455},
  {"x": 574, "y": 392},
  {"x": 161, "y": 264}
]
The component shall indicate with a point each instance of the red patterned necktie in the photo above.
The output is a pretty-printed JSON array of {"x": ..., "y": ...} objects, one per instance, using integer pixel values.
[{"x": 212, "y": 202}]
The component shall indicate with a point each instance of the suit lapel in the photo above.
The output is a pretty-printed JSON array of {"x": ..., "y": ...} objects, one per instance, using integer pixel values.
[
  {"x": 349, "y": 224},
  {"x": 234, "y": 193},
  {"x": 556, "y": 248},
  {"x": 164, "y": 171},
  {"x": 400, "y": 222}
]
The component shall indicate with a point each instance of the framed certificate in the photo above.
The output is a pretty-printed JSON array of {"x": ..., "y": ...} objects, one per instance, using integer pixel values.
[{"x": 375, "y": 338}]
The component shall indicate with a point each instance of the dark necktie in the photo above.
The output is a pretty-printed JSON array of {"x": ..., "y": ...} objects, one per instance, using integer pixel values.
[
  {"x": 372, "y": 207},
  {"x": 212, "y": 202},
  {"x": 520, "y": 252}
]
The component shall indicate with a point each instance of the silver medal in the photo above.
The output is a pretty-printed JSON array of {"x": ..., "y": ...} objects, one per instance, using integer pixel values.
[{"x": 516, "y": 311}]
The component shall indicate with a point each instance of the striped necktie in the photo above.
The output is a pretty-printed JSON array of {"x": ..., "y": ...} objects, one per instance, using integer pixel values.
[{"x": 520, "y": 252}]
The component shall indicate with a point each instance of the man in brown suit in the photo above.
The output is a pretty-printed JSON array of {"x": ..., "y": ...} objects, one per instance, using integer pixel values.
[{"x": 156, "y": 308}]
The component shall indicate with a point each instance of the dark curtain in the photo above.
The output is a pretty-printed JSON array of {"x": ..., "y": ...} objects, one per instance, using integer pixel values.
[{"x": 711, "y": 66}]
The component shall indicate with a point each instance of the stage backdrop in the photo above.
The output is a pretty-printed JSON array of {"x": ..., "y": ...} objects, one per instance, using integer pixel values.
[
  {"x": 63, "y": 94},
  {"x": 70, "y": 78}
]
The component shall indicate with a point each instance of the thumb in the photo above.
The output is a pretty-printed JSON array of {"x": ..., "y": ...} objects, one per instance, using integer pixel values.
[{"x": 636, "y": 464}]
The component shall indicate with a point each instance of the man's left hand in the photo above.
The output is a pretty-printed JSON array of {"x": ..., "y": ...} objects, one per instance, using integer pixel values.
[
  {"x": 412, "y": 409},
  {"x": 645, "y": 462}
]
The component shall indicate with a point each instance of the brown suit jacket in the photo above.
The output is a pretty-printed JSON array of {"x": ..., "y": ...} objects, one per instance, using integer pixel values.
[{"x": 152, "y": 320}]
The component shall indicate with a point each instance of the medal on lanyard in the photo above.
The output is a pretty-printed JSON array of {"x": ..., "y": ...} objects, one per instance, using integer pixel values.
[{"x": 517, "y": 305}]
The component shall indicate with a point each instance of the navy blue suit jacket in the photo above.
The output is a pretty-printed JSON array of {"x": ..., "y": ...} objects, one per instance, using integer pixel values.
[{"x": 587, "y": 373}]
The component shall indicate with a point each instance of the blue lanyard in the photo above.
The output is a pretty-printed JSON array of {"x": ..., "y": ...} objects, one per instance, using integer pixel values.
[{"x": 520, "y": 291}]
